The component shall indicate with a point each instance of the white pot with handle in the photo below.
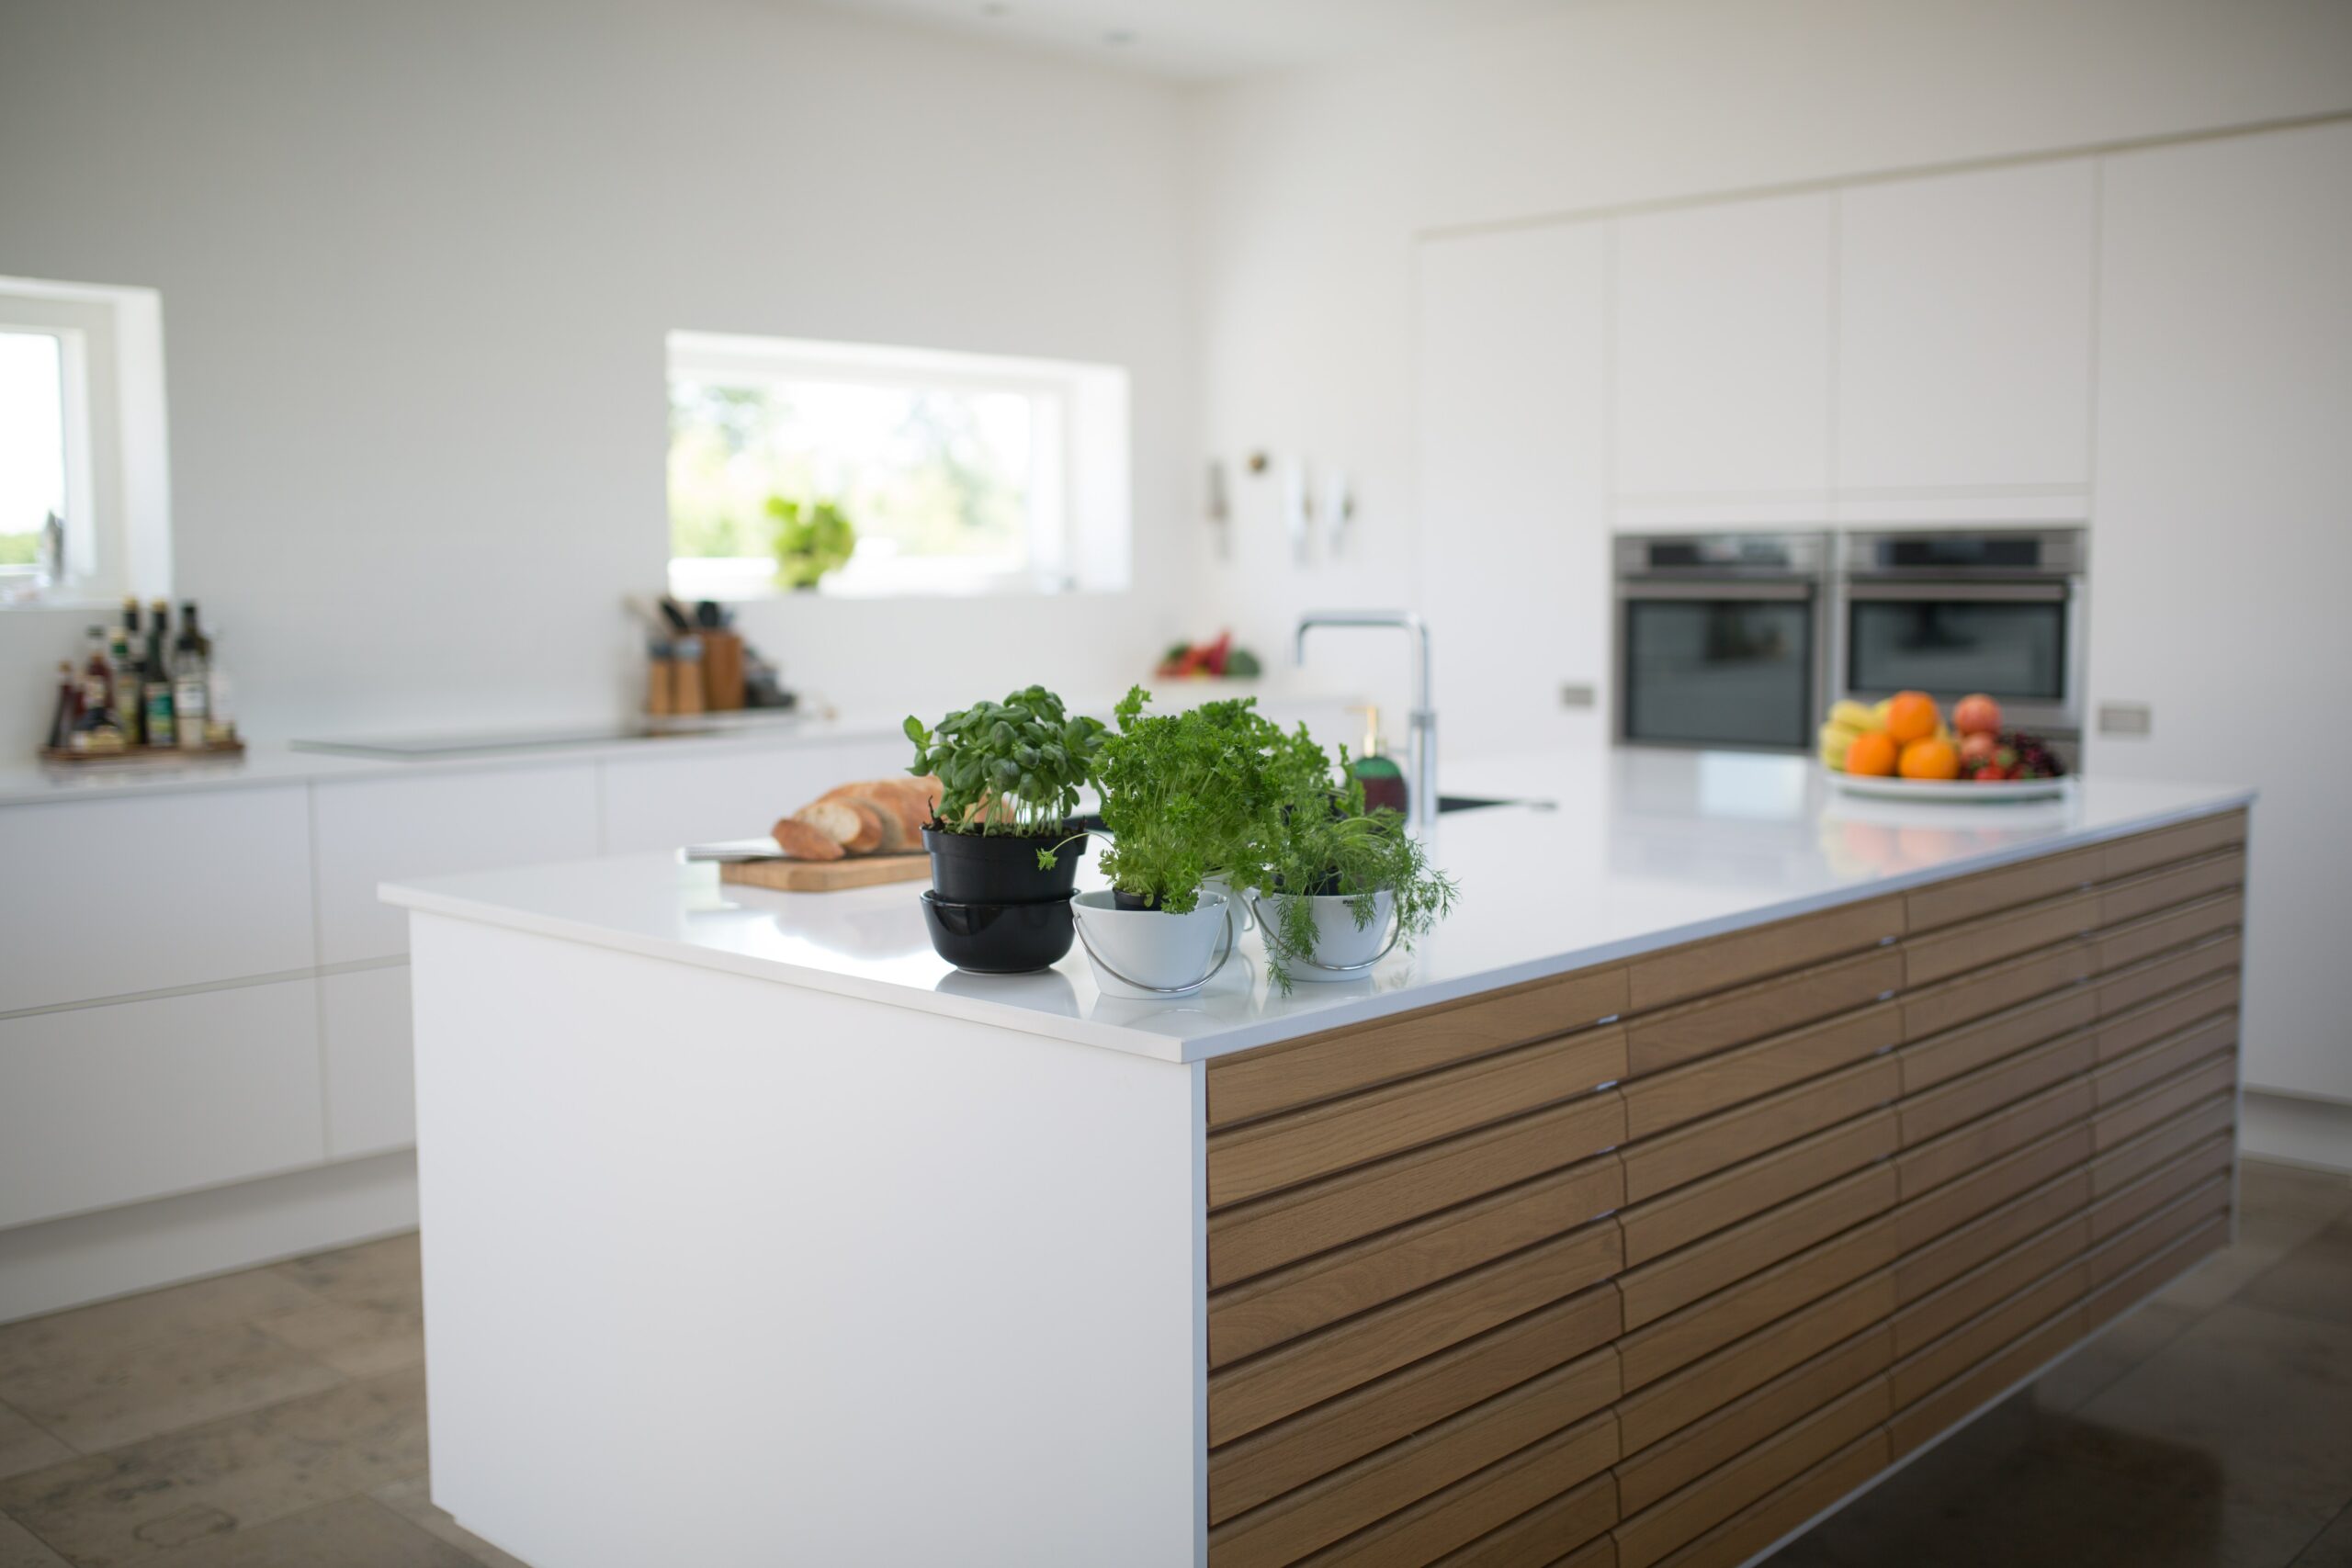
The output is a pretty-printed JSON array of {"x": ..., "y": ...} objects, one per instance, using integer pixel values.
[
  {"x": 1342, "y": 949},
  {"x": 1149, "y": 953}
]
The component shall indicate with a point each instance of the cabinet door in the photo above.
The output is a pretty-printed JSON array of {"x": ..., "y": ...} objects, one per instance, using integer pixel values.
[
  {"x": 2225, "y": 536},
  {"x": 1723, "y": 351},
  {"x": 109, "y": 897},
  {"x": 725, "y": 791},
  {"x": 375, "y": 829},
  {"x": 1964, "y": 330},
  {"x": 105, "y": 1105},
  {"x": 1510, "y": 410},
  {"x": 370, "y": 1061}
]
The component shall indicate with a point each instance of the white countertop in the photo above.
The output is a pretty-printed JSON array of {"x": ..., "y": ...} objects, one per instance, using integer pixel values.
[{"x": 1640, "y": 849}]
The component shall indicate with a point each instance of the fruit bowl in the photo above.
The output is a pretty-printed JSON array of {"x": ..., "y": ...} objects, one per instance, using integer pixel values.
[{"x": 1986, "y": 792}]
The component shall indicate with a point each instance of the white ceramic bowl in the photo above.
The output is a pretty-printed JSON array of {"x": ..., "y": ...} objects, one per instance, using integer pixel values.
[
  {"x": 1146, "y": 954},
  {"x": 1343, "y": 949}
]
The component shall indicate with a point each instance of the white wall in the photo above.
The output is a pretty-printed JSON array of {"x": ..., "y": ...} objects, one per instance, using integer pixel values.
[
  {"x": 1313, "y": 187},
  {"x": 416, "y": 264}
]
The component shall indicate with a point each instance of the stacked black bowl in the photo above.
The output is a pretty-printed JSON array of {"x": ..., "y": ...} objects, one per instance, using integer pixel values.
[{"x": 991, "y": 908}]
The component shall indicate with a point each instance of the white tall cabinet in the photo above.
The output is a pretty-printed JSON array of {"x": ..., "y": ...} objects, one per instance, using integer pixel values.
[
  {"x": 1513, "y": 406},
  {"x": 2222, "y": 551}
]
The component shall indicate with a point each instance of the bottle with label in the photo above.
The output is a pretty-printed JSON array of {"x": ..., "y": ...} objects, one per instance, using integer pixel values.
[
  {"x": 191, "y": 681},
  {"x": 96, "y": 729},
  {"x": 1383, "y": 780},
  {"x": 126, "y": 695},
  {"x": 67, "y": 718},
  {"x": 155, "y": 681}
]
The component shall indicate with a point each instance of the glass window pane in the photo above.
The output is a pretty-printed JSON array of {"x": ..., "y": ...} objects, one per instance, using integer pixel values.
[
  {"x": 32, "y": 442},
  {"x": 925, "y": 473},
  {"x": 1719, "y": 672},
  {"x": 1951, "y": 648}
]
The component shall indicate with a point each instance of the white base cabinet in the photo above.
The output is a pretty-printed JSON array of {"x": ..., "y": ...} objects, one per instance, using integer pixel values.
[
  {"x": 370, "y": 1066},
  {"x": 105, "y": 1105}
]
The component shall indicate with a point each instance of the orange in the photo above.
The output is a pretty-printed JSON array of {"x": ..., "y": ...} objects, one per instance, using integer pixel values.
[
  {"x": 1930, "y": 759},
  {"x": 1912, "y": 716},
  {"x": 1872, "y": 752}
]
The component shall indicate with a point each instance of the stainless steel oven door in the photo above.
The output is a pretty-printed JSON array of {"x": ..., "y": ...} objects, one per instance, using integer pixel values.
[
  {"x": 2019, "y": 642},
  {"x": 1719, "y": 664}
]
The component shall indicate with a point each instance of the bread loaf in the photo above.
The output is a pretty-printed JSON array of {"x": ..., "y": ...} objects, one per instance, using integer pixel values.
[
  {"x": 851, "y": 826},
  {"x": 888, "y": 809},
  {"x": 798, "y": 840}
]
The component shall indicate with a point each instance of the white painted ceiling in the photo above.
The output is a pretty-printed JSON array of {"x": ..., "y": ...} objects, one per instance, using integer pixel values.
[{"x": 1206, "y": 41}]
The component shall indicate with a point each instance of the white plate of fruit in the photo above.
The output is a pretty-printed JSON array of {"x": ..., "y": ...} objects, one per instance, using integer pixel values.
[{"x": 1903, "y": 748}]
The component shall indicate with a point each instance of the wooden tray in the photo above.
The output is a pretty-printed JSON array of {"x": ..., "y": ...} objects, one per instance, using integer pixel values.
[
  {"x": 133, "y": 755},
  {"x": 825, "y": 876}
]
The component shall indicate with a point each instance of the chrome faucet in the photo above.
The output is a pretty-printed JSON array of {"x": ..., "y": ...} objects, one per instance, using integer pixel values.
[{"x": 1422, "y": 806}]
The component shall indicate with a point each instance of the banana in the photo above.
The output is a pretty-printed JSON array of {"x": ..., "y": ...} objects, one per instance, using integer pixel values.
[{"x": 1850, "y": 715}]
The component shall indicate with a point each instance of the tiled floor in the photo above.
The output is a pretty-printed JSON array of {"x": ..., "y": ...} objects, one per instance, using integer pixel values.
[{"x": 276, "y": 1420}]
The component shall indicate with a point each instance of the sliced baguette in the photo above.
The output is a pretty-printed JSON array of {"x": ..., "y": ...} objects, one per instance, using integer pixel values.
[
  {"x": 851, "y": 826},
  {"x": 798, "y": 840},
  {"x": 888, "y": 807}
]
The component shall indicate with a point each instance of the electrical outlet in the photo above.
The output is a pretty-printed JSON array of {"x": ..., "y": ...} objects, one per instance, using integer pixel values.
[
  {"x": 2124, "y": 719},
  {"x": 1577, "y": 695}
]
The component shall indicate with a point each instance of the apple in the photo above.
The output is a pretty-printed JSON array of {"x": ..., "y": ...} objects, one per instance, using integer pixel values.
[
  {"x": 1976, "y": 713},
  {"x": 1978, "y": 746}
]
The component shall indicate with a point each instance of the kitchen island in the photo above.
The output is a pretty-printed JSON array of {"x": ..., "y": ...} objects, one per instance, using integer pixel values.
[{"x": 1732, "y": 1142}]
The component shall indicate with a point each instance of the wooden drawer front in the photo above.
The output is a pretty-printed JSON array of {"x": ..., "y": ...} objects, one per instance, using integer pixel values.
[
  {"x": 1318, "y": 1442},
  {"x": 1650, "y": 1414},
  {"x": 1988, "y": 1089},
  {"x": 1668, "y": 1100},
  {"x": 1247, "y": 1396},
  {"x": 1921, "y": 1219},
  {"x": 1942, "y": 1057},
  {"x": 2120, "y": 1211},
  {"x": 1964, "y": 1149},
  {"x": 1378, "y": 1485},
  {"x": 2151, "y": 977},
  {"x": 2121, "y": 1079},
  {"x": 1988, "y": 1284},
  {"x": 2131, "y": 942},
  {"x": 1678, "y": 1218},
  {"x": 2142, "y": 851},
  {"x": 1722, "y": 961},
  {"x": 1251, "y": 1238},
  {"x": 1682, "y": 1278},
  {"x": 1281, "y": 1151},
  {"x": 1931, "y": 1416},
  {"x": 2126, "y": 1031},
  {"x": 1282, "y": 1078},
  {"x": 1651, "y": 1474},
  {"x": 2127, "y": 1119},
  {"x": 1647, "y": 1537},
  {"x": 1680, "y": 1338},
  {"x": 2118, "y": 1255},
  {"x": 1981, "y": 1337},
  {"x": 2127, "y": 1289},
  {"x": 2151, "y": 891},
  {"x": 1967, "y": 897},
  {"x": 1975, "y": 943},
  {"x": 2151, "y": 1150},
  {"x": 1532, "y": 1540},
  {"x": 1660, "y": 1164},
  {"x": 1950, "y": 1003},
  {"x": 1247, "y": 1318},
  {"x": 2002, "y": 1231},
  {"x": 1655, "y": 1042},
  {"x": 1414, "y": 1537},
  {"x": 1748, "y": 1532}
]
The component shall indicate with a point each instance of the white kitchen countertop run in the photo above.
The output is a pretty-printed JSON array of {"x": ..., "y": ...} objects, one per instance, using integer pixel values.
[{"x": 1640, "y": 849}]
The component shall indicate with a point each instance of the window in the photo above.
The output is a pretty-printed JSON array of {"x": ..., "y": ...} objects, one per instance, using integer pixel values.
[
  {"x": 960, "y": 473},
  {"x": 82, "y": 441}
]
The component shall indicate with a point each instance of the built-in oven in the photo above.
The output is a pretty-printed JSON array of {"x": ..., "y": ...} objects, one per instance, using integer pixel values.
[
  {"x": 1948, "y": 613},
  {"x": 1719, "y": 639}
]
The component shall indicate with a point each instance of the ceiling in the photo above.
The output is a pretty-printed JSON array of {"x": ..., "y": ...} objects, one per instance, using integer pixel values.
[{"x": 1207, "y": 40}]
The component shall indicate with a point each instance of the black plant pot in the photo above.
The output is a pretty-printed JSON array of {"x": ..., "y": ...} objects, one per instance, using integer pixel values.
[
  {"x": 1001, "y": 868},
  {"x": 999, "y": 939}
]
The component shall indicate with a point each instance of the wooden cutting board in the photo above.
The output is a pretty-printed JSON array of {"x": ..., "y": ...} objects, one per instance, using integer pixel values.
[{"x": 826, "y": 875}]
